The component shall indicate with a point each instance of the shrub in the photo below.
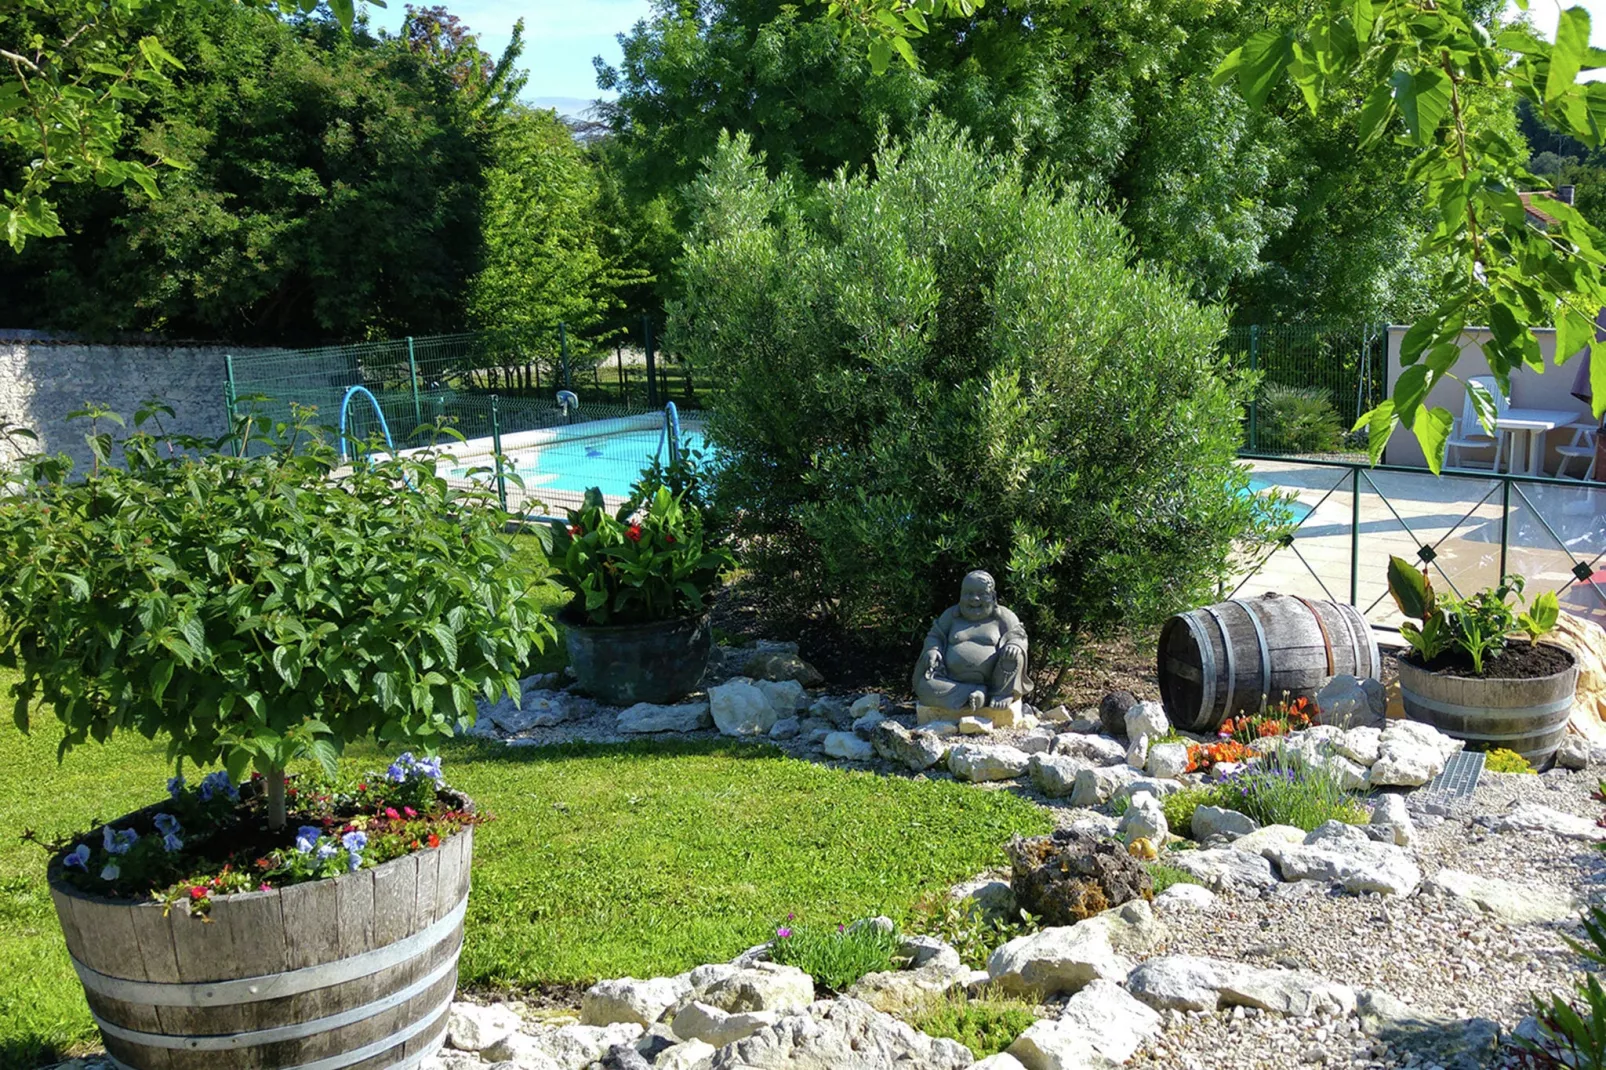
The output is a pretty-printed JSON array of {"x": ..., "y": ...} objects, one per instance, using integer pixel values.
[
  {"x": 1501, "y": 760},
  {"x": 1165, "y": 876},
  {"x": 1180, "y": 805},
  {"x": 965, "y": 928},
  {"x": 986, "y": 1023},
  {"x": 1297, "y": 419},
  {"x": 258, "y": 609},
  {"x": 941, "y": 367},
  {"x": 1285, "y": 789},
  {"x": 835, "y": 957}
]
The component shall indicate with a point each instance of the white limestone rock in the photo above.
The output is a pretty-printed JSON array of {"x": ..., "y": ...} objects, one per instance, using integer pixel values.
[
  {"x": 786, "y": 697},
  {"x": 1573, "y": 753},
  {"x": 1144, "y": 819},
  {"x": 1137, "y": 752},
  {"x": 980, "y": 762},
  {"x": 1184, "y": 897},
  {"x": 1410, "y": 754},
  {"x": 475, "y": 1027},
  {"x": 1146, "y": 719},
  {"x": 1359, "y": 865},
  {"x": 975, "y": 726},
  {"x": 1095, "y": 786},
  {"x": 1360, "y": 745},
  {"x": 1194, "y": 983},
  {"x": 763, "y": 986},
  {"x": 627, "y": 999},
  {"x": 740, "y": 708},
  {"x": 1225, "y": 868},
  {"x": 1389, "y": 812},
  {"x": 915, "y": 751},
  {"x": 1098, "y": 750},
  {"x": 1055, "y": 775},
  {"x": 1066, "y": 958},
  {"x": 1534, "y": 817},
  {"x": 573, "y": 1047},
  {"x": 848, "y": 746},
  {"x": 1262, "y": 840},
  {"x": 841, "y": 1034},
  {"x": 1114, "y": 1022},
  {"x": 1167, "y": 760},
  {"x": 1513, "y": 901},
  {"x": 689, "y": 1055},
  {"x": 1211, "y": 821},
  {"x": 865, "y": 704},
  {"x": 1037, "y": 741},
  {"x": 1052, "y": 1045},
  {"x": 650, "y": 717},
  {"x": 700, "y": 1021}
]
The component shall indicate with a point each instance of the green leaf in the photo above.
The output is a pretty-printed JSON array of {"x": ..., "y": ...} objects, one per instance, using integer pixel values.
[
  {"x": 1265, "y": 59},
  {"x": 1412, "y": 591},
  {"x": 1380, "y": 424},
  {"x": 1567, "y": 55},
  {"x": 324, "y": 752},
  {"x": 1432, "y": 430},
  {"x": 344, "y": 11},
  {"x": 1574, "y": 331},
  {"x": 1424, "y": 100},
  {"x": 1409, "y": 390},
  {"x": 1483, "y": 404},
  {"x": 1375, "y": 114}
]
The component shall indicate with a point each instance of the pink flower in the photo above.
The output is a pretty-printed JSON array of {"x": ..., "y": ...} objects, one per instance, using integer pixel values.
[
  {"x": 409, "y": 811},
  {"x": 390, "y": 812},
  {"x": 783, "y": 932}
]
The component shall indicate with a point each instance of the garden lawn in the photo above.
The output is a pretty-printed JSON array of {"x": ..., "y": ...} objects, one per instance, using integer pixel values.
[{"x": 601, "y": 861}]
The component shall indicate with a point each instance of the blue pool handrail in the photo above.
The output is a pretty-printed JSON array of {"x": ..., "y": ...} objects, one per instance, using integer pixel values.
[{"x": 345, "y": 407}]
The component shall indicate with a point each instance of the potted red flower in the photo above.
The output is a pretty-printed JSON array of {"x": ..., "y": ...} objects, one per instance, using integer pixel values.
[{"x": 637, "y": 628}]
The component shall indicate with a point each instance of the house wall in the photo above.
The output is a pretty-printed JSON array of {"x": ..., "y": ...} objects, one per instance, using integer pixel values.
[{"x": 1529, "y": 390}]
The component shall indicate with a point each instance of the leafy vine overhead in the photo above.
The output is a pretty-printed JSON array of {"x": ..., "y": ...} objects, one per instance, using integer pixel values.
[
  {"x": 71, "y": 73},
  {"x": 1422, "y": 66}
]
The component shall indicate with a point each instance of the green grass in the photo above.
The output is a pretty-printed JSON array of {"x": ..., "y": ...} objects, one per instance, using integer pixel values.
[
  {"x": 986, "y": 1025},
  {"x": 602, "y": 861},
  {"x": 834, "y": 955},
  {"x": 1165, "y": 876}
]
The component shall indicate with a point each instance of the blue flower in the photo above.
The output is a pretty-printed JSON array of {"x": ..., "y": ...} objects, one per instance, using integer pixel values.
[
  {"x": 109, "y": 872},
  {"x": 307, "y": 838},
  {"x": 117, "y": 841},
  {"x": 77, "y": 858},
  {"x": 216, "y": 782},
  {"x": 354, "y": 841},
  {"x": 326, "y": 851},
  {"x": 354, "y": 862},
  {"x": 175, "y": 786},
  {"x": 167, "y": 824},
  {"x": 171, "y": 843},
  {"x": 406, "y": 767}
]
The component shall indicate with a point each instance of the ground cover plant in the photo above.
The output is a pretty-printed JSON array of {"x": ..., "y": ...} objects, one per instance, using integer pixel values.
[
  {"x": 664, "y": 856},
  {"x": 986, "y": 1023},
  {"x": 835, "y": 956},
  {"x": 945, "y": 367}
]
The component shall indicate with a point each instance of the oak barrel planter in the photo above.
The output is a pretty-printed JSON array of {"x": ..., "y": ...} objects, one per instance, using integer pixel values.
[
  {"x": 1528, "y": 716},
  {"x": 1235, "y": 657},
  {"x": 356, "y": 972},
  {"x": 623, "y": 664}
]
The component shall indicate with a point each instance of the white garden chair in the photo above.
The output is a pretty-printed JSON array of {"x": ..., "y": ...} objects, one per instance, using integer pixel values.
[
  {"x": 1466, "y": 433},
  {"x": 1582, "y": 446}
]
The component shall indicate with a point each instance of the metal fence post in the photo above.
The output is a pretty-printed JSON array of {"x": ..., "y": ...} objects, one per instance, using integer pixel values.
[
  {"x": 412, "y": 369},
  {"x": 230, "y": 395},
  {"x": 1254, "y": 365},
  {"x": 1505, "y": 523},
  {"x": 652, "y": 370},
  {"x": 496, "y": 447},
  {"x": 563, "y": 347},
  {"x": 1355, "y": 537}
]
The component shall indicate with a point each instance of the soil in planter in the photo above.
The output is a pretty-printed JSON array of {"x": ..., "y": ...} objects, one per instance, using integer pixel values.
[{"x": 1521, "y": 660}]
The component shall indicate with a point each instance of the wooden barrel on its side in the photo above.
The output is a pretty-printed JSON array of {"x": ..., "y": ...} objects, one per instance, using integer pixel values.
[
  {"x": 352, "y": 973},
  {"x": 1235, "y": 657},
  {"x": 1527, "y": 716}
]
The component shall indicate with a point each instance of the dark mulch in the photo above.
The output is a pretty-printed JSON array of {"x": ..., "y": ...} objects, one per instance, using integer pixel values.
[
  {"x": 861, "y": 660},
  {"x": 1521, "y": 660}
]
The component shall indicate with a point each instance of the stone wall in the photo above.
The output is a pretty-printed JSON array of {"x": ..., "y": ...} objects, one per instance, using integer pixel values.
[{"x": 42, "y": 381}]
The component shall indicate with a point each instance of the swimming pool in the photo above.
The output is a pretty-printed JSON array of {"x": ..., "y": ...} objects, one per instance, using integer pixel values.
[
  {"x": 611, "y": 461},
  {"x": 1288, "y": 513}
]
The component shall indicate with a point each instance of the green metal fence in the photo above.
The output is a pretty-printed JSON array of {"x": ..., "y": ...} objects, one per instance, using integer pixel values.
[
  {"x": 1347, "y": 365},
  {"x": 1344, "y": 519},
  {"x": 567, "y": 410}
]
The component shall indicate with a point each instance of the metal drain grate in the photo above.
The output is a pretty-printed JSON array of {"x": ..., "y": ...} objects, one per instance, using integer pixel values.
[{"x": 1460, "y": 777}]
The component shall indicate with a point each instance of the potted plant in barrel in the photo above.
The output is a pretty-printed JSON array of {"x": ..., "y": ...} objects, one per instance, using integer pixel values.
[
  {"x": 637, "y": 629},
  {"x": 260, "y": 612},
  {"x": 1477, "y": 670}
]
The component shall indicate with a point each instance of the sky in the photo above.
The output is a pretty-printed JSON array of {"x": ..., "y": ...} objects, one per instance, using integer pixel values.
[{"x": 560, "y": 38}]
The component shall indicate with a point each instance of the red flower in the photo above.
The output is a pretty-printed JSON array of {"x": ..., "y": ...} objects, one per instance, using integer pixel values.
[
  {"x": 198, "y": 892},
  {"x": 670, "y": 539},
  {"x": 633, "y": 533},
  {"x": 576, "y": 529},
  {"x": 362, "y": 787},
  {"x": 434, "y": 840}
]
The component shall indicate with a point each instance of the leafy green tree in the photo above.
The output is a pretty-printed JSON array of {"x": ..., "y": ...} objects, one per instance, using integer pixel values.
[
  {"x": 944, "y": 367},
  {"x": 332, "y": 188}
]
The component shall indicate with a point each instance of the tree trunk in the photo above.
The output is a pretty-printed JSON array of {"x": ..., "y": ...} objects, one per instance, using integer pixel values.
[{"x": 276, "y": 811}]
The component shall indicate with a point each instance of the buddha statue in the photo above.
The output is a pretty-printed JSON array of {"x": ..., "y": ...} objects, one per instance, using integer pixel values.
[{"x": 973, "y": 662}]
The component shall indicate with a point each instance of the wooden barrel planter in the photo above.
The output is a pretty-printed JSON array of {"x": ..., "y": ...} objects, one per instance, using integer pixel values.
[
  {"x": 1234, "y": 657},
  {"x": 352, "y": 973},
  {"x": 1527, "y": 716}
]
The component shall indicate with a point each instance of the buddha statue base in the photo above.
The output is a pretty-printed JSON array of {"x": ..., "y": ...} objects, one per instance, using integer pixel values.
[{"x": 1005, "y": 716}]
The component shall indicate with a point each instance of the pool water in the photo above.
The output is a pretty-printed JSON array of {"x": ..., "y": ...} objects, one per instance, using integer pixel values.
[
  {"x": 1290, "y": 513},
  {"x": 611, "y": 462}
]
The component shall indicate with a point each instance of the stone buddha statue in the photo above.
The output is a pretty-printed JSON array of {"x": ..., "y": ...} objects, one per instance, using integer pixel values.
[{"x": 974, "y": 659}]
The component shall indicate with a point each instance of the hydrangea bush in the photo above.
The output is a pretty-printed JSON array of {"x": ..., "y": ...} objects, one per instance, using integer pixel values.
[
  {"x": 257, "y": 602},
  {"x": 205, "y": 840}
]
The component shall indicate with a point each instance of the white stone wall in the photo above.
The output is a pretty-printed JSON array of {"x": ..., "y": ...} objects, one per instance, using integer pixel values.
[{"x": 41, "y": 382}]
